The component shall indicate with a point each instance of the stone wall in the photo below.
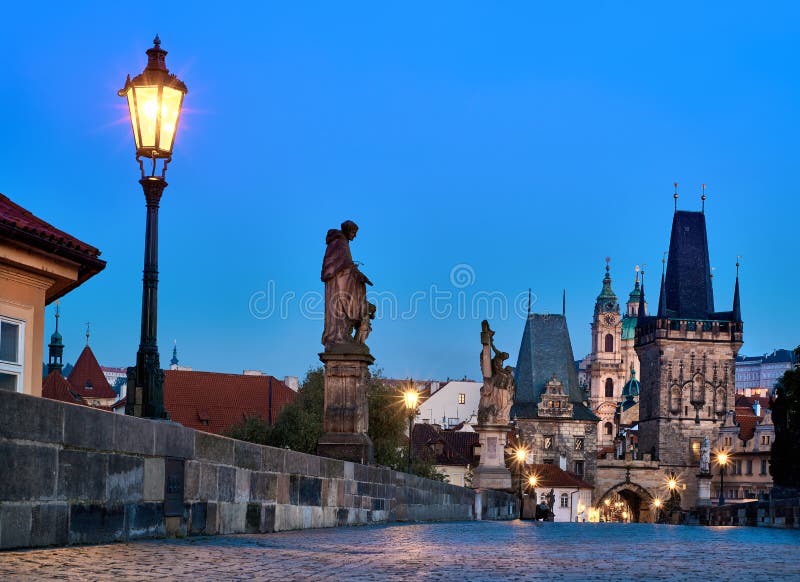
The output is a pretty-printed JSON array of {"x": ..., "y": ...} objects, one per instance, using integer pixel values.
[{"x": 73, "y": 474}]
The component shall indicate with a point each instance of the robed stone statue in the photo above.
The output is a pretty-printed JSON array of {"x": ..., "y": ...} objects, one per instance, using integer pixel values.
[
  {"x": 705, "y": 456},
  {"x": 497, "y": 392},
  {"x": 347, "y": 311}
]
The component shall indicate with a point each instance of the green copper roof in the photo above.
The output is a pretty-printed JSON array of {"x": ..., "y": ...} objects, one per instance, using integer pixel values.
[
  {"x": 628, "y": 328},
  {"x": 631, "y": 388}
]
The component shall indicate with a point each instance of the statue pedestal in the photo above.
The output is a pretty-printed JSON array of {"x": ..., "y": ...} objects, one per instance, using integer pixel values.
[
  {"x": 491, "y": 472},
  {"x": 346, "y": 412},
  {"x": 704, "y": 490}
]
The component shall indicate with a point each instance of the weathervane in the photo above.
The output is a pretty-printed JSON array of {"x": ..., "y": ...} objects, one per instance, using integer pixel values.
[
  {"x": 703, "y": 197},
  {"x": 675, "y": 196}
]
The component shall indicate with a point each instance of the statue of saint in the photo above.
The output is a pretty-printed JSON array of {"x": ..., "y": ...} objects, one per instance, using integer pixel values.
[
  {"x": 497, "y": 392},
  {"x": 347, "y": 311},
  {"x": 705, "y": 456}
]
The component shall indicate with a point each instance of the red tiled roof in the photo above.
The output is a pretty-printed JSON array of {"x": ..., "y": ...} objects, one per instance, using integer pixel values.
[
  {"x": 16, "y": 217},
  {"x": 553, "y": 476},
  {"x": 747, "y": 420},
  {"x": 87, "y": 379},
  {"x": 214, "y": 402},
  {"x": 742, "y": 400},
  {"x": 56, "y": 387}
]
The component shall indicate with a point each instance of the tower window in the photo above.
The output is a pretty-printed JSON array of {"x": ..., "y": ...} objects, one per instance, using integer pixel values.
[
  {"x": 609, "y": 342},
  {"x": 609, "y": 428},
  {"x": 609, "y": 388}
]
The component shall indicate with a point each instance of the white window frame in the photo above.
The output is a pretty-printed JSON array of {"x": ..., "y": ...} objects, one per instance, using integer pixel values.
[{"x": 16, "y": 368}]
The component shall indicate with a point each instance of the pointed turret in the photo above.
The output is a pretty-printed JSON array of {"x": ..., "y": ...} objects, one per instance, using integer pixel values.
[
  {"x": 55, "y": 348},
  {"x": 607, "y": 300},
  {"x": 642, "y": 313},
  {"x": 174, "y": 361},
  {"x": 662, "y": 296},
  {"x": 737, "y": 308},
  {"x": 689, "y": 294}
]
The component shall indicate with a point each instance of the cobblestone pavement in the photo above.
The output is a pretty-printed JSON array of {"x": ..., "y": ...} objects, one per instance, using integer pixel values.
[{"x": 454, "y": 551}]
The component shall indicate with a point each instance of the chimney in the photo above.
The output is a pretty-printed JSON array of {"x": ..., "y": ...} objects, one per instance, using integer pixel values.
[{"x": 292, "y": 382}]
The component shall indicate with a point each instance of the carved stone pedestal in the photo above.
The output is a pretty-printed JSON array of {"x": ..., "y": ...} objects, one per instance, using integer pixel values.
[
  {"x": 346, "y": 416},
  {"x": 491, "y": 472},
  {"x": 704, "y": 490}
]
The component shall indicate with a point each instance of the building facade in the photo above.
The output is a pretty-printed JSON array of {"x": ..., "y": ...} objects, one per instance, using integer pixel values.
[
  {"x": 553, "y": 419},
  {"x": 747, "y": 436},
  {"x": 757, "y": 375},
  {"x": 613, "y": 357},
  {"x": 38, "y": 264},
  {"x": 687, "y": 353}
]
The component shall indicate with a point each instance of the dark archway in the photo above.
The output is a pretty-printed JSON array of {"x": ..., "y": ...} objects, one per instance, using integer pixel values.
[{"x": 637, "y": 501}]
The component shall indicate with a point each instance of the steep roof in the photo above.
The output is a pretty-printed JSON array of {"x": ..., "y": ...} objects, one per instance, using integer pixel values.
[
  {"x": 87, "y": 378},
  {"x": 688, "y": 280},
  {"x": 214, "y": 402},
  {"x": 56, "y": 387},
  {"x": 22, "y": 226},
  {"x": 457, "y": 447},
  {"x": 546, "y": 350},
  {"x": 549, "y": 475}
]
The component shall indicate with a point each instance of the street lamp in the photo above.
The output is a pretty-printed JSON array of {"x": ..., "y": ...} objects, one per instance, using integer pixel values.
[
  {"x": 155, "y": 98},
  {"x": 411, "y": 400},
  {"x": 657, "y": 505},
  {"x": 520, "y": 455},
  {"x": 722, "y": 461}
]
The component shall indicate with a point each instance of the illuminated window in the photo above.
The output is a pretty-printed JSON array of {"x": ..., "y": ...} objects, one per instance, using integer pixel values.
[
  {"x": 462, "y": 398},
  {"x": 764, "y": 439}
]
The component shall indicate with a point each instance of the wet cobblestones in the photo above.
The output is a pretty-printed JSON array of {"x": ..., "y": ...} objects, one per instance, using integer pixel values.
[{"x": 454, "y": 551}]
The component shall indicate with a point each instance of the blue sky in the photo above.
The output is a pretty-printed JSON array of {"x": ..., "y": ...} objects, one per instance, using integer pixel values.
[{"x": 520, "y": 141}]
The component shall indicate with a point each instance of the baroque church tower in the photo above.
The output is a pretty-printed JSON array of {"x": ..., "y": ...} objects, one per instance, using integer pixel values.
[
  {"x": 609, "y": 365},
  {"x": 687, "y": 353}
]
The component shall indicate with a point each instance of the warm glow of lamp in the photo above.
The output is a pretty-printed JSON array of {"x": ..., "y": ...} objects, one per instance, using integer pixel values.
[
  {"x": 624, "y": 515},
  {"x": 520, "y": 454},
  {"x": 722, "y": 458},
  {"x": 607, "y": 502},
  {"x": 672, "y": 483},
  {"x": 411, "y": 399},
  {"x": 656, "y": 502},
  {"x": 533, "y": 480},
  {"x": 155, "y": 98}
]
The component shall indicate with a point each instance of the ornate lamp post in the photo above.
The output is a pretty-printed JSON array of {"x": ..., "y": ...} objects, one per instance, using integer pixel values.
[
  {"x": 155, "y": 98},
  {"x": 411, "y": 400},
  {"x": 722, "y": 461}
]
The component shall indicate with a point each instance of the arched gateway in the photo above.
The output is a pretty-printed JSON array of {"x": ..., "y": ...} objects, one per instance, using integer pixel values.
[{"x": 627, "y": 501}]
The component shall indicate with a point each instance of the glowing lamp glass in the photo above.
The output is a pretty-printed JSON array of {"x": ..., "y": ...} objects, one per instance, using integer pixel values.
[{"x": 411, "y": 398}]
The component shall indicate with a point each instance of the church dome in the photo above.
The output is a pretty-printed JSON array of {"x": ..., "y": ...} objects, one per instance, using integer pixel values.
[{"x": 631, "y": 388}]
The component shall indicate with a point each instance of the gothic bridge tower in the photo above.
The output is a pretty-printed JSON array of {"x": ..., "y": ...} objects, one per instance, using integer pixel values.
[{"x": 686, "y": 353}]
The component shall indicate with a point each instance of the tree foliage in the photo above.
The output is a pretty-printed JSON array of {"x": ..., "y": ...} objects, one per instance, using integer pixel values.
[
  {"x": 785, "y": 455},
  {"x": 299, "y": 424}
]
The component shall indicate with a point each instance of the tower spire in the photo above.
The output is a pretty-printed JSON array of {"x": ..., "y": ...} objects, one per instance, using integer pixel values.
[
  {"x": 174, "y": 361},
  {"x": 642, "y": 311},
  {"x": 737, "y": 308},
  {"x": 675, "y": 196},
  {"x": 564, "y": 302},
  {"x": 88, "y": 333},
  {"x": 529, "y": 300},
  {"x": 703, "y": 198},
  {"x": 55, "y": 347},
  {"x": 662, "y": 298}
]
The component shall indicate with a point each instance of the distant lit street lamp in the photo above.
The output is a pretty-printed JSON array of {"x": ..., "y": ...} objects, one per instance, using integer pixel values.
[
  {"x": 411, "y": 400},
  {"x": 155, "y": 98},
  {"x": 657, "y": 505},
  {"x": 722, "y": 461},
  {"x": 520, "y": 455}
]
